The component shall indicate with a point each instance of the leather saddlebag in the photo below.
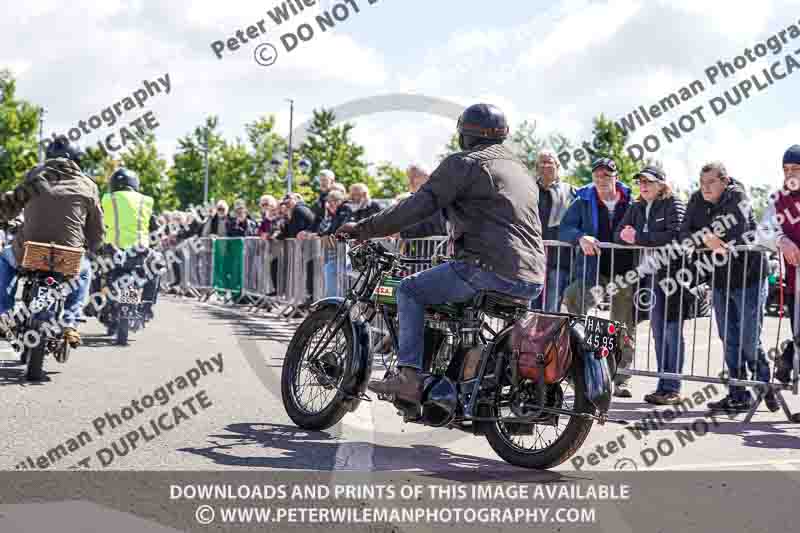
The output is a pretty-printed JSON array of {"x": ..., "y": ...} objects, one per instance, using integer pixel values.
[{"x": 541, "y": 344}]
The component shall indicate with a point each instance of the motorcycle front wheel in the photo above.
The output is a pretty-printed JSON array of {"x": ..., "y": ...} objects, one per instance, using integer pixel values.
[{"x": 310, "y": 389}]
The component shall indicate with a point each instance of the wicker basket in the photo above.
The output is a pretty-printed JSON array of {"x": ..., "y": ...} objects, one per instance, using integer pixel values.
[{"x": 52, "y": 258}]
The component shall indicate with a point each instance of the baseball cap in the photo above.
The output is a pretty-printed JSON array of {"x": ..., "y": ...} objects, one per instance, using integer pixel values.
[
  {"x": 652, "y": 174},
  {"x": 605, "y": 162}
]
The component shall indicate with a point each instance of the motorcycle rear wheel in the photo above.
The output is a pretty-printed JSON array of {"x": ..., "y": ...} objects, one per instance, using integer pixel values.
[
  {"x": 122, "y": 331},
  {"x": 337, "y": 356},
  {"x": 565, "y": 443},
  {"x": 35, "y": 357}
]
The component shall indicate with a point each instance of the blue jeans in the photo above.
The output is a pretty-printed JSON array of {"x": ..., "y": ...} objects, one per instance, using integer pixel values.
[
  {"x": 452, "y": 282},
  {"x": 73, "y": 303},
  {"x": 743, "y": 333},
  {"x": 670, "y": 348},
  {"x": 557, "y": 281},
  {"x": 330, "y": 272}
]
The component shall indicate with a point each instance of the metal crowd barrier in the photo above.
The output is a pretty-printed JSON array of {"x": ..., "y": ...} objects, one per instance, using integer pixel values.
[
  {"x": 292, "y": 273},
  {"x": 701, "y": 333}
]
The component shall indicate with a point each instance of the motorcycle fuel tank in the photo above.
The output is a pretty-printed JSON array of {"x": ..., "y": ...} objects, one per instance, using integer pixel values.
[{"x": 386, "y": 294}]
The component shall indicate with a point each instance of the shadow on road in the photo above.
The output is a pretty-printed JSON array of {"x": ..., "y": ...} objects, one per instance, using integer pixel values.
[
  {"x": 96, "y": 341},
  {"x": 767, "y": 434},
  {"x": 292, "y": 448},
  {"x": 13, "y": 373},
  {"x": 260, "y": 327}
]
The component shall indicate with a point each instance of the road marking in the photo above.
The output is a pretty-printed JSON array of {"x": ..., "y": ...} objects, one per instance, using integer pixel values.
[{"x": 351, "y": 455}]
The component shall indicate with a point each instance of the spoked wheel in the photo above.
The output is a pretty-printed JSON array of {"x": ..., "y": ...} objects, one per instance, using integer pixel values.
[
  {"x": 310, "y": 386},
  {"x": 550, "y": 443}
]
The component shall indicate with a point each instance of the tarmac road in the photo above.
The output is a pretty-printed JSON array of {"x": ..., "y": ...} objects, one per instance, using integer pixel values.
[{"x": 205, "y": 418}]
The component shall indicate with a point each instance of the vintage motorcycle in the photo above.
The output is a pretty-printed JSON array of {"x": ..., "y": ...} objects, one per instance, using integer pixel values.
[
  {"x": 125, "y": 308},
  {"x": 533, "y": 387},
  {"x": 36, "y": 330}
]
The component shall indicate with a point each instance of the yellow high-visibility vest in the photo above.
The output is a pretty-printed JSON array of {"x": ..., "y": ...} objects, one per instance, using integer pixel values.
[{"x": 127, "y": 218}]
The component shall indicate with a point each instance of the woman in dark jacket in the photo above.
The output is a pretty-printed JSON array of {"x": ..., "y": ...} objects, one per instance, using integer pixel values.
[{"x": 655, "y": 220}]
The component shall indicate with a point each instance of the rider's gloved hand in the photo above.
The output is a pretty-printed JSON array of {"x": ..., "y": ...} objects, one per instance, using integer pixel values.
[{"x": 348, "y": 230}]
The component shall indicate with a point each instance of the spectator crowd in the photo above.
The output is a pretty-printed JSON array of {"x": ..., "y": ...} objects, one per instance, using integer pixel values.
[{"x": 293, "y": 218}]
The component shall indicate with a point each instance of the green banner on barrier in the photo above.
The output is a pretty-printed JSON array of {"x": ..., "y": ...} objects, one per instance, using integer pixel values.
[{"x": 228, "y": 265}]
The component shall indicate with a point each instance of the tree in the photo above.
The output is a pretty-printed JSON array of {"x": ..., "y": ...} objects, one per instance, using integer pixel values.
[
  {"x": 267, "y": 146},
  {"x": 143, "y": 158},
  {"x": 759, "y": 200},
  {"x": 331, "y": 147},
  {"x": 526, "y": 144},
  {"x": 187, "y": 173},
  {"x": 452, "y": 147},
  {"x": 609, "y": 141},
  {"x": 19, "y": 124},
  {"x": 99, "y": 165},
  {"x": 390, "y": 181}
]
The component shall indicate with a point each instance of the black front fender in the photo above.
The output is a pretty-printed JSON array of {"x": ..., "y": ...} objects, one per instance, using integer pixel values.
[{"x": 359, "y": 367}]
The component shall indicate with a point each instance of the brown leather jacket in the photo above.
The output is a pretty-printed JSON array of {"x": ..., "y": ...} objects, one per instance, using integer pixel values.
[
  {"x": 62, "y": 206},
  {"x": 492, "y": 204}
]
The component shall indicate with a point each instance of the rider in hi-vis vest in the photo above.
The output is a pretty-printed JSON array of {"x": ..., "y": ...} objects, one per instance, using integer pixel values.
[{"x": 128, "y": 217}]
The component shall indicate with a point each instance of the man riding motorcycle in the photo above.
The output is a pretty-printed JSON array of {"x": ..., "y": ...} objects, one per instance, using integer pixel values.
[
  {"x": 129, "y": 219},
  {"x": 62, "y": 206},
  {"x": 492, "y": 204}
]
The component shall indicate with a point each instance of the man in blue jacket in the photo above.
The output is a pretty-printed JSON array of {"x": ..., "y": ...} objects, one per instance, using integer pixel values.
[{"x": 594, "y": 217}]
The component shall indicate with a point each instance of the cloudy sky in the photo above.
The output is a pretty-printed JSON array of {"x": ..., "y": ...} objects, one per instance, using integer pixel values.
[{"x": 558, "y": 63}]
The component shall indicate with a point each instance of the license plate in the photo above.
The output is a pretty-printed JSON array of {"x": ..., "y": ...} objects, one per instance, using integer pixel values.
[
  {"x": 601, "y": 333},
  {"x": 45, "y": 297}
]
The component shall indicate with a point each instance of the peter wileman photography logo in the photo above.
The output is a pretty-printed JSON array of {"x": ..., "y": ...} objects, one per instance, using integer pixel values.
[{"x": 329, "y": 16}]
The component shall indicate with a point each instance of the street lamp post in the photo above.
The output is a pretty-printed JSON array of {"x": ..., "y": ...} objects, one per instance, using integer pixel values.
[
  {"x": 205, "y": 164},
  {"x": 290, "y": 173},
  {"x": 41, "y": 133}
]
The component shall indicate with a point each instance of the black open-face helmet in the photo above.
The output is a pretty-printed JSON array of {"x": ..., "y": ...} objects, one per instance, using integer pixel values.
[
  {"x": 61, "y": 148},
  {"x": 480, "y": 124},
  {"x": 124, "y": 179}
]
